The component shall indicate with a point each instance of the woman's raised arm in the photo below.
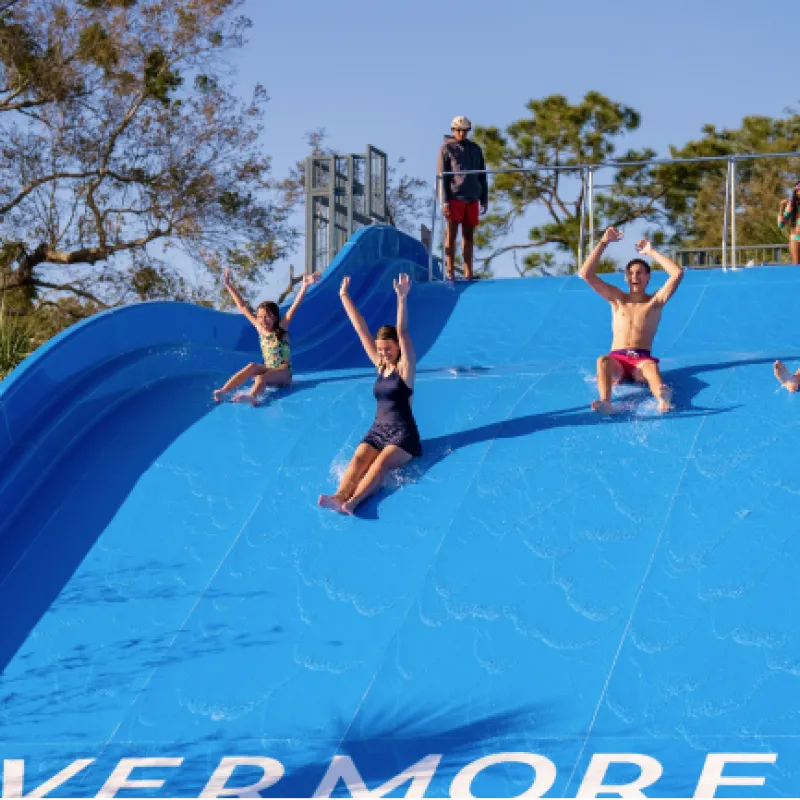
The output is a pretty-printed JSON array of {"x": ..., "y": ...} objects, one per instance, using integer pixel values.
[{"x": 358, "y": 322}]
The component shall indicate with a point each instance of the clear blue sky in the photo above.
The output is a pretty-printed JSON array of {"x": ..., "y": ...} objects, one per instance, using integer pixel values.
[{"x": 393, "y": 74}]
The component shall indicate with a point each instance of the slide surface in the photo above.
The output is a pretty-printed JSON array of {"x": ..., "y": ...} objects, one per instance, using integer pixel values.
[{"x": 543, "y": 588}]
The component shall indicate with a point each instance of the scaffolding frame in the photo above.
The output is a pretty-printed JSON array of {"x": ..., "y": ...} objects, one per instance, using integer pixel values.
[{"x": 344, "y": 192}]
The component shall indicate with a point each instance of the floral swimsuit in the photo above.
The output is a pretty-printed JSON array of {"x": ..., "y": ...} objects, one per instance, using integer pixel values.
[{"x": 275, "y": 349}]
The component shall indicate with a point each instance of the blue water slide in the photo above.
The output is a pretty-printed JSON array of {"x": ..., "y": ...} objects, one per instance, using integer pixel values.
[{"x": 548, "y": 601}]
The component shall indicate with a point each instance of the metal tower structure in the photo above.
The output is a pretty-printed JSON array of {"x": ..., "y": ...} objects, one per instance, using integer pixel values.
[{"x": 343, "y": 193}]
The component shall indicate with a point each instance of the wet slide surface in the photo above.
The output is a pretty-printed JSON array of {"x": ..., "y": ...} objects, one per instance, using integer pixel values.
[{"x": 541, "y": 588}]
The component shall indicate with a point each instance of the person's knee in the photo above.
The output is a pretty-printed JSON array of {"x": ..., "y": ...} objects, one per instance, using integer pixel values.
[
  {"x": 363, "y": 459},
  {"x": 603, "y": 362},
  {"x": 650, "y": 373},
  {"x": 468, "y": 234}
]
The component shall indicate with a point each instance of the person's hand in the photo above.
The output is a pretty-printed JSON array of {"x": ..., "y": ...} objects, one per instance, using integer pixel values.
[
  {"x": 645, "y": 247},
  {"x": 344, "y": 287},
  {"x": 612, "y": 235},
  {"x": 484, "y": 208},
  {"x": 226, "y": 278},
  {"x": 446, "y": 210},
  {"x": 309, "y": 279},
  {"x": 402, "y": 284},
  {"x": 785, "y": 203}
]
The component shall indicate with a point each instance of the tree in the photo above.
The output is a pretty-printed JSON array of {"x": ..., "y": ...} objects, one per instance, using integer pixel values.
[
  {"x": 560, "y": 134},
  {"x": 408, "y": 199},
  {"x": 694, "y": 194},
  {"x": 122, "y": 140}
]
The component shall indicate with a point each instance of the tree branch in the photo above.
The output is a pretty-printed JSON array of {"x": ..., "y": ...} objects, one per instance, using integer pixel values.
[
  {"x": 528, "y": 246},
  {"x": 8, "y": 4},
  {"x": 547, "y": 199},
  {"x": 66, "y": 287},
  {"x": 7, "y": 105},
  {"x": 562, "y": 206},
  {"x": 40, "y": 182},
  {"x": 91, "y": 255},
  {"x": 293, "y": 281}
]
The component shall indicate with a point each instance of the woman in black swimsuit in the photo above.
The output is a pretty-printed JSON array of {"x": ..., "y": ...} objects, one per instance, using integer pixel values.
[{"x": 393, "y": 439}]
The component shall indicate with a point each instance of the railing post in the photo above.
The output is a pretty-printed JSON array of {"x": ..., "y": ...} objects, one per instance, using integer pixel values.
[
  {"x": 444, "y": 225},
  {"x": 433, "y": 229},
  {"x": 726, "y": 218},
  {"x": 582, "y": 218},
  {"x": 591, "y": 209},
  {"x": 732, "y": 168}
]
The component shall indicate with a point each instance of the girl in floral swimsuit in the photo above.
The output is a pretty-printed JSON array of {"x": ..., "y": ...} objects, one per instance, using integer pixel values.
[
  {"x": 273, "y": 336},
  {"x": 789, "y": 213}
]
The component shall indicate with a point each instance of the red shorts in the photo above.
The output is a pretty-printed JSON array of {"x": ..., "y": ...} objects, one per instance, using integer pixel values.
[
  {"x": 629, "y": 360},
  {"x": 463, "y": 211}
]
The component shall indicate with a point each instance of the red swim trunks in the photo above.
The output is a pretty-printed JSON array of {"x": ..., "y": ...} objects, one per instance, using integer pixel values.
[
  {"x": 463, "y": 211},
  {"x": 630, "y": 359}
]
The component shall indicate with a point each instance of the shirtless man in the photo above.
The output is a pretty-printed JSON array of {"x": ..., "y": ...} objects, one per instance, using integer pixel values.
[{"x": 635, "y": 318}]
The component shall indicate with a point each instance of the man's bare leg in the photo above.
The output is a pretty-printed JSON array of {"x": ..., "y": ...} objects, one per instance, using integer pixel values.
[
  {"x": 649, "y": 371},
  {"x": 468, "y": 248},
  {"x": 359, "y": 464},
  {"x": 608, "y": 373},
  {"x": 390, "y": 458},
  {"x": 450, "y": 234},
  {"x": 250, "y": 371},
  {"x": 789, "y": 381}
]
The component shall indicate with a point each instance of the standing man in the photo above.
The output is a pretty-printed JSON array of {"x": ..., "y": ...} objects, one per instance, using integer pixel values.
[
  {"x": 461, "y": 194},
  {"x": 635, "y": 316}
]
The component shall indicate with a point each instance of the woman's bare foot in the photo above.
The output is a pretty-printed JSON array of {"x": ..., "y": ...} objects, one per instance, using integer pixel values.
[
  {"x": 218, "y": 395},
  {"x": 347, "y": 508},
  {"x": 602, "y": 407},
  {"x": 664, "y": 399},
  {"x": 241, "y": 398},
  {"x": 331, "y": 502},
  {"x": 791, "y": 382}
]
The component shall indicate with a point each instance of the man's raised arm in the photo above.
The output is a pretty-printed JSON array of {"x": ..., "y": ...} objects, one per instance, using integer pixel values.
[
  {"x": 589, "y": 269},
  {"x": 668, "y": 265}
]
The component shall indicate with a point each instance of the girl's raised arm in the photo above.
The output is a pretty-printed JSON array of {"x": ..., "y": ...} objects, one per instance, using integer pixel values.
[
  {"x": 307, "y": 281},
  {"x": 238, "y": 299},
  {"x": 358, "y": 322},
  {"x": 408, "y": 360}
]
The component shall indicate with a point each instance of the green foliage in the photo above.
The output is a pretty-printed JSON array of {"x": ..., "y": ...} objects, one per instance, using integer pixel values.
[
  {"x": 686, "y": 201},
  {"x": 95, "y": 45},
  {"x": 556, "y": 134},
  {"x": 159, "y": 79},
  {"x": 16, "y": 339},
  {"x": 694, "y": 194},
  {"x": 205, "y": 83},
  {"x": 150, "y": 283},
  {"x": 116, "y": 155},
  {"x": 96, "y": 5}
]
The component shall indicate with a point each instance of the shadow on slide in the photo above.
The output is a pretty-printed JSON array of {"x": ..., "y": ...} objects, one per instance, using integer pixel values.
[
  {"x": 123, "y": 444},
  {"x": 685, "y": 381},
  {"x": 381, "y": 746}
]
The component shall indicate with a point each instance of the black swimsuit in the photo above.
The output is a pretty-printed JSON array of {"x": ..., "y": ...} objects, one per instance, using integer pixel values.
[{"x": 394, "y": 422}]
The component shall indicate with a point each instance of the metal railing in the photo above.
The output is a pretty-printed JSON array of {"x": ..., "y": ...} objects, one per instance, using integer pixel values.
[
  {"x": 587, "y": 171},
  {"x": 702, "y": 257}
]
